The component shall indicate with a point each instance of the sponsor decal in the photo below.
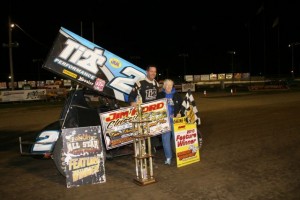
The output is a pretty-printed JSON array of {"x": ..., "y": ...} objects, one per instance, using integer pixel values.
[
  {"x": 85, "y": 63},
  {"x": 71, "y": 74},
  {"x": 82, "y": 56},
  {"x": 82, "y": 79},
  {"x": 115, "y": 63},
  {"x": 186, "y": 154},
  {"x": 74, "y": 69},
  {"x": 99, "y": 84}
]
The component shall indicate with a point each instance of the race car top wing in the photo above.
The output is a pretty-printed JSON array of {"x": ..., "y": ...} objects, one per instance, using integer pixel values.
[{"x": 92, "y": 66}]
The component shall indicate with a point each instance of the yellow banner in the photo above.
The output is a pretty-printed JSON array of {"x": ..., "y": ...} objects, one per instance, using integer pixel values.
[{"x": 186, "y": 143}]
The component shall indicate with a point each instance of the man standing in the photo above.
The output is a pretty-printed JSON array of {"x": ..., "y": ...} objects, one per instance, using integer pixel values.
[{"x": 147, "y": 87}]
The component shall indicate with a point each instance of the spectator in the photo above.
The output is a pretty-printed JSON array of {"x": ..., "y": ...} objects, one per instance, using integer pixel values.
[{"x": 174, "y": 101}]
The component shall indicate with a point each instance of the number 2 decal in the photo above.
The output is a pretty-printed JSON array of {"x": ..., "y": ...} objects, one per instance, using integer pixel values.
[
  {"x": 124, "y": 84},
  {"x": 47, "y": 137}
]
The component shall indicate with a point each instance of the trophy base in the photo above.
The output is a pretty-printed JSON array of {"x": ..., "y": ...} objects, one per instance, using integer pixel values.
[{"x": 143, "y": 182}]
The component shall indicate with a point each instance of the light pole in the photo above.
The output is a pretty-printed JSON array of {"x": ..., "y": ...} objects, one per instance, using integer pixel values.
[
  {"x": 10, "y": 45},
  {"x": 232, "y": 63},
  {"x": 291, "y": 45},
  {"x": 12, "y": 80},
  {"x": 184, "y": 55}
]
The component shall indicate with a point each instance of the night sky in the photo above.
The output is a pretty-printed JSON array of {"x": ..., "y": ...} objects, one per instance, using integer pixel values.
[{"x": 157, "y": 32}]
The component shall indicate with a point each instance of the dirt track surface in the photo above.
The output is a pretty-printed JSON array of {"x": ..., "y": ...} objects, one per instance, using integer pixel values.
[{"x": 250, "y": 151}]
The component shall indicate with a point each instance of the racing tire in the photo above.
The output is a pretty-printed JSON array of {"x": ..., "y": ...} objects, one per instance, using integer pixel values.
[{"x": 59, "y": 157}]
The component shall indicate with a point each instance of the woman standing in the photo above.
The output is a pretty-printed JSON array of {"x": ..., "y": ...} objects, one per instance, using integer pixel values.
[{"x": 174, "y": 101}]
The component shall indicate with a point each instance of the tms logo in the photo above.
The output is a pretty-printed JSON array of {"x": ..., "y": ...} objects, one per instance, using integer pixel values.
[{"x": 82, "y": 56}]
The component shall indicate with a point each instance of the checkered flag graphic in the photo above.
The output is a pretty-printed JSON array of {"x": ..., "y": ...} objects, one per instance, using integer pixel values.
[{"x": 188, "y": 107}]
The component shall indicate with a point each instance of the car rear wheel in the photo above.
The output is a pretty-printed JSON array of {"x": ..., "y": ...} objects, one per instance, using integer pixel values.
[{"x": 59, "y": 157}]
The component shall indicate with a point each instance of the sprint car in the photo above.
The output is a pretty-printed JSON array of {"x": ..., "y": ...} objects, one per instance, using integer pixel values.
[{"x": 81, "y": 109}]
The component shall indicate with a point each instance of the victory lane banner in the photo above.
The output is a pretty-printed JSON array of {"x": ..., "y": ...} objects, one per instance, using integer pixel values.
[
  {"x": 92, "y": 66},
  {"x": 117, "y": 124},
  {"x": 186, "y": 143},
  {"x": 84, "y": 156}
]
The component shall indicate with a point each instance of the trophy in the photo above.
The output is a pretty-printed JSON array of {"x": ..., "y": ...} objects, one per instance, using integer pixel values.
[{"x": 142, "y": 148}]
